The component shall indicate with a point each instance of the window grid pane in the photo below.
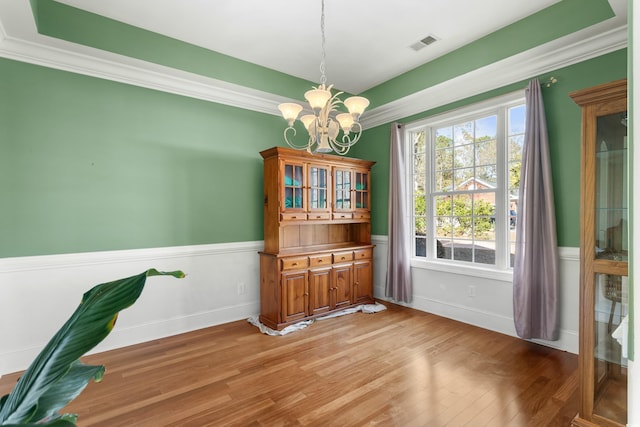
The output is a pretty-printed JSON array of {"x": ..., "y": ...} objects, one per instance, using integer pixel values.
[
  {"x": 419, "y": 193},
  {"x": 462, "y": 184}
]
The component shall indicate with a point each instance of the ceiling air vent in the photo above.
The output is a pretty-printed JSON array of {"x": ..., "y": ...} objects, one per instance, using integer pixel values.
[{"x": 423, "y": 43}]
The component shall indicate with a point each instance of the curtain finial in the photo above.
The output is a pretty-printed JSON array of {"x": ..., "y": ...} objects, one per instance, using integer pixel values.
[{"x": 548, "y": 82}]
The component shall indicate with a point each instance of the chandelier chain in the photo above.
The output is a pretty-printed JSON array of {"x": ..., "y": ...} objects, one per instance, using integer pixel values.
[
  {"x": 327, "y": 122},
  {"x": 323, "y": 77}
]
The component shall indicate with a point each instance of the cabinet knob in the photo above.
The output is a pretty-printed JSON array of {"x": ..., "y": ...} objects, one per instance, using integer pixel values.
[{"x": 294, "y": 264}]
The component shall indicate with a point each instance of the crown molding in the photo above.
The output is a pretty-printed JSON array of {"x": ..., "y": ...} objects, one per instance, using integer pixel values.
[
  {"x": 141, "y": 73},
  {"x": 19, "y": 41}
]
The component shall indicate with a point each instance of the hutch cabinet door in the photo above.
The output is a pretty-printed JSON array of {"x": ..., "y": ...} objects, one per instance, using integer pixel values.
[
  {"x": 319, "y": 191},
  {"x": 363, "y": 282},
  {"x": 295, "y": 295},
  {"x": 292, "y": 182},
  {"x": 342, "y": 186},
  {"x": 319, "y": 290},
  {"x": 361, "y": 190},
  {"x": 342, "y": 280}
]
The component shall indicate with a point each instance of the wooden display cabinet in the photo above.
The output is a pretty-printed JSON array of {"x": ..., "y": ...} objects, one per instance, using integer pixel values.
[
  {"x": 602, "y": 359},
  {"x": 318, "y": 256}
]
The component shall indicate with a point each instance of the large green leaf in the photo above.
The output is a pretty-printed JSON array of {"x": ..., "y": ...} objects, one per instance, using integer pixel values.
[{"x": 56, "y": 376}]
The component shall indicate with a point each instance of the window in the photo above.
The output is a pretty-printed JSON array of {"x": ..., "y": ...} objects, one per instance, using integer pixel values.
[{"x": 465, "y": 175}]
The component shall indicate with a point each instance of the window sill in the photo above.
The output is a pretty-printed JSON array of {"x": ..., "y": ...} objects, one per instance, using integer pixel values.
[{"x": 464, "y": 269}]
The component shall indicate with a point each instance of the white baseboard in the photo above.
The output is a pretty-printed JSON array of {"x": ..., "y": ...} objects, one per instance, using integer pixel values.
[
  {"x": 445, "y": 294},
  {"x": 568, "y": 340},
  {"x": 178, "y": 325},
  {"x": 19, "y": 359}
]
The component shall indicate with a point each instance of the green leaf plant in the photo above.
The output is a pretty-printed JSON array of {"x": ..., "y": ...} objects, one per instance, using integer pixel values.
[{"x": 57, "y": 376}]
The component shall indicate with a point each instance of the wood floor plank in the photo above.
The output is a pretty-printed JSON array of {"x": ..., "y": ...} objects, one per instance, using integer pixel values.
[{"x": 399, "y": 367}]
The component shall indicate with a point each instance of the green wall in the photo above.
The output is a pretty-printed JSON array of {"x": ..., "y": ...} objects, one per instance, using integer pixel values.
[
  {"x": 89, "y": 164},
  {"x": 563, "y": 122}
]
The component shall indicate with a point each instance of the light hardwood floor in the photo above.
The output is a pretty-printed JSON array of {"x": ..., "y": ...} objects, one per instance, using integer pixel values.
[{"x": 399, "y": 367}]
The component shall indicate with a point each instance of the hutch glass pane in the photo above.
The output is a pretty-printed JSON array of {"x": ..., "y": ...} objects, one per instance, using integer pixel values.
[
  {"x": 610, "y": 341},
  {"x": 343, "y": 189},
  {"x": 318, "y": 187},
  {"x": 293, "y": 180},
  {"x": 611, "y": 213},
  {"x": 362, "y": 190}
]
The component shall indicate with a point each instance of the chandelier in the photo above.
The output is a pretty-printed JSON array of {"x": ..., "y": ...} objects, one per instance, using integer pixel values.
[{"x": 326, "y": 122}]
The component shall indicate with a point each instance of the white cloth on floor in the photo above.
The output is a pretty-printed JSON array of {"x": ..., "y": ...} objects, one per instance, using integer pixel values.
[{"x": 365, "y": 308}]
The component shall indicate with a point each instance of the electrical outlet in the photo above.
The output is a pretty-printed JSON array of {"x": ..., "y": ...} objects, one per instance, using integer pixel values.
[
  {"x": 471, "y": 290},
  {"x": 241, "y": 288}
]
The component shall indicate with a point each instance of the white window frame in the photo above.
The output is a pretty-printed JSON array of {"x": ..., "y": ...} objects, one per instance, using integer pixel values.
[{"x": 498, "y": 105}]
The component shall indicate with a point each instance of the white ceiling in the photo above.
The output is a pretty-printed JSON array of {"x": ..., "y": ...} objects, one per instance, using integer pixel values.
[{"x": 367, "y": 41}]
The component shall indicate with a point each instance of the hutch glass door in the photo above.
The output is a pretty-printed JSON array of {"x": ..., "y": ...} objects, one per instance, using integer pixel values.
[
  {"x": 342, "y": 190},
  {"x": 610, "y": 268},
  {"x": 318, "y": 181},
  {"x": 293, "y": 186},
  {"x": 362, "y": 190}
]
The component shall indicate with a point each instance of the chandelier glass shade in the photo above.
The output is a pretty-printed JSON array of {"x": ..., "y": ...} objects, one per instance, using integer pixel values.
[{"x": 326, "y": 122}]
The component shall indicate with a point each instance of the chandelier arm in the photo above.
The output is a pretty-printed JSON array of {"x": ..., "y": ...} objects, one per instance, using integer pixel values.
[
  {"x": 292, "y": 144},
  {"x": 357, "y": 133},
  {"x": 350, "y": 139},
  {"x": 339, "y": 148}
]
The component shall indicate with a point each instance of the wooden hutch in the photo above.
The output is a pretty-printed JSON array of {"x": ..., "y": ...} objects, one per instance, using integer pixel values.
[{"x": 318, "y": 256}]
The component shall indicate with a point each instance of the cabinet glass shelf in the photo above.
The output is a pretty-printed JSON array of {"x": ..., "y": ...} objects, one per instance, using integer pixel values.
[{"x": 611, "y": 210}]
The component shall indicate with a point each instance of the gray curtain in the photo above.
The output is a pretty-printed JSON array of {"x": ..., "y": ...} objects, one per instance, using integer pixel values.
[
  {"x": 398, "y": 283},
  {"x": 535, "y": 271}
]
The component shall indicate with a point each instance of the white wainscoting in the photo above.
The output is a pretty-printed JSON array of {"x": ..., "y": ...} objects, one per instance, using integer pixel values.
[
  {"x": 446, "y": 294},
  {"x": 38, "y": 294}
]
